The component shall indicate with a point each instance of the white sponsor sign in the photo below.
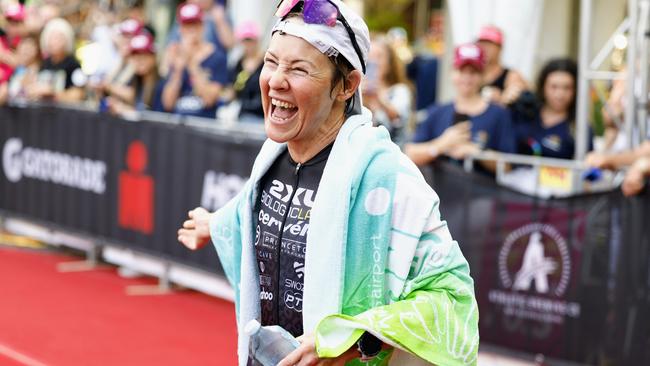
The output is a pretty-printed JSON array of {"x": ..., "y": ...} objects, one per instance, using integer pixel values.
[
  {"x": 219, "y": 188},
  {"x": 20, "y": 162},
  {"x": 535, "y": 282}
]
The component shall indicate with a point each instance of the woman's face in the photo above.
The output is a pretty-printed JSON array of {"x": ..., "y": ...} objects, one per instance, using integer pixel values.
[
  {"x": 467, "y": 80},
  {"x": 559, "y": 90},
  {"x": 250, "y": 46},
  {"x": 27, "y": 51},
  {"x": 378, "y": 55},
  {"x": 143, "y": 63},
  {"x": 491, "y": 50},
  {"x": 295, "y": 84},
  {"x": 57, "y": 43},
  {"x": 192, "y": 33}
]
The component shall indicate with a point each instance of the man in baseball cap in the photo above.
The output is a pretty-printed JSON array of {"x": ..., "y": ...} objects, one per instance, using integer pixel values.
[{"x": 501, "y": 85}]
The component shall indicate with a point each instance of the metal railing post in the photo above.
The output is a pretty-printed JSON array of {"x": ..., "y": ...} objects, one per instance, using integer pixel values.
[
  {"x": 632, "y": 67},
  {"x": 644, "y": 33},
  {"x": 582, "y": 113}
]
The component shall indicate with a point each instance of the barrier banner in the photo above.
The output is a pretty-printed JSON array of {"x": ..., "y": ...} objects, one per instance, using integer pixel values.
[
  {"x": 129, "y": 182},
  {"x": 567, "y": 278}
]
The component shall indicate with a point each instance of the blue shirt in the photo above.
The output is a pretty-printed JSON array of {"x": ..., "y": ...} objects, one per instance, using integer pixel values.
[
  {"x": 552, "y": 142},
  {"x": 491, "y": 129},
  {"x": 190, "y": 104},
  {"x": 423, "y": 72}
]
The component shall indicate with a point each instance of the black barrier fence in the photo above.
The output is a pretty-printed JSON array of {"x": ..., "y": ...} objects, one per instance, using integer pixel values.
[
  {"x": 568, "y": 278},
  {"x": 130, "y": 183}
]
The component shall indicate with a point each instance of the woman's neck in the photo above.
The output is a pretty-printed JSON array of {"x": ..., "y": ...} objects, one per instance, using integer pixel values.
[
  {"x": 470, "y": 104},
  {"x": 551, "y": 117},
  {"x": 302, "y": 151},
  {"x": 57, "y": 57},
  {"x": 492, "y": 71}
]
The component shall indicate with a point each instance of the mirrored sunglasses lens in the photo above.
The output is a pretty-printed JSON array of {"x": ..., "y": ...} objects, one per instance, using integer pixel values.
[{"x": 320, "y": 12}]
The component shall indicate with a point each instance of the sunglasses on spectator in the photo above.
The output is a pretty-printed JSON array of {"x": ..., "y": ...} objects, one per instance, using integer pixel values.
[{"x": 323, "y": 12}]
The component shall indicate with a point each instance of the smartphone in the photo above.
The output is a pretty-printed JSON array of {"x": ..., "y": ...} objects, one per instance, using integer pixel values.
[{"x": 459, "y": 117}]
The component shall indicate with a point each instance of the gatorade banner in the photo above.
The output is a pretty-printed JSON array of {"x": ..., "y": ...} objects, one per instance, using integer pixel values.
[
  {"x": 560, "y": 277},
  {"x": 130, "y": 183}
]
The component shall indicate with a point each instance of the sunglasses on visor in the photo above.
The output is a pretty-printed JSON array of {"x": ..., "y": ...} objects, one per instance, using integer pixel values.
[{"x": 323, "y": 12}]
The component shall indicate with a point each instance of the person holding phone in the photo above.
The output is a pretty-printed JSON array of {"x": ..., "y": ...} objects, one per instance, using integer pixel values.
[{"x": 466, "y": 125}]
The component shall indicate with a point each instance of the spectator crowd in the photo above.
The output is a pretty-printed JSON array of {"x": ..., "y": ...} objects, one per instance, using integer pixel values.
[{"x": 111, "y": 60}]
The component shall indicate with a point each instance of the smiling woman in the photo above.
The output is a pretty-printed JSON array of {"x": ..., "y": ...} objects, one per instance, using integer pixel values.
[{"x": 336, "y": 237}]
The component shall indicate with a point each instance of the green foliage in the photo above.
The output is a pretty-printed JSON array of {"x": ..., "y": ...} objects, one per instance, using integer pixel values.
[{"x": 381, "y": 15}]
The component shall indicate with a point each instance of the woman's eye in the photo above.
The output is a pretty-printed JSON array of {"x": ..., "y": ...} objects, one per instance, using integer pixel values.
[{"x": 300, "y": 71}]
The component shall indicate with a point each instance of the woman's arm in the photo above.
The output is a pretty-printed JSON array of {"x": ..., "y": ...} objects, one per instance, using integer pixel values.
[
  {"x": 209, "y": 91},
  {"x": 172, "y": 89},
  {"x": 124, "y": 93},
  {"x": 224, "y": 30},
  {"x": 636, "y": 176}
]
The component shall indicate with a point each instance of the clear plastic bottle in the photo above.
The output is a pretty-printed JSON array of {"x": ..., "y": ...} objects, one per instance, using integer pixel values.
[{"x": 270, "y": 344}]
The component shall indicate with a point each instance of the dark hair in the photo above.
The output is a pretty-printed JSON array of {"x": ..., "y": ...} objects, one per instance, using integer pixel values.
[
  {"x": 559, "y": 64},
  {"x": 342, "y": 69}
]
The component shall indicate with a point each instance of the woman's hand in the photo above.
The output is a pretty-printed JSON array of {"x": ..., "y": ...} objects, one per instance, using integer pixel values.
[
  {"x": 462, "y": 151},
  {"x": 635, "y": 177},
  {"x": 454, "y": 136},
  {"x": 195, "y": 233},
  {"x": 598, "y": 160},
  {"x": 306, "y": 355}
]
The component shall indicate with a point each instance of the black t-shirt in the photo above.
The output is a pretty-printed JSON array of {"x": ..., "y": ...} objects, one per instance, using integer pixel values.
[
  {"x": 283, "y": 213},
  {"x": 247, "y": 88},
  {"x": 53, "y": 73}
]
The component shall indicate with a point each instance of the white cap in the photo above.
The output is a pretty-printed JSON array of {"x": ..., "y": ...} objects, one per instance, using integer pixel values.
[{"x": 333, "y": 41}]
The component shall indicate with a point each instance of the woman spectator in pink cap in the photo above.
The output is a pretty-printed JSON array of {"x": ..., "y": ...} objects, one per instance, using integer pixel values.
[
  {"x": 198, "y": 70},
  {"x": 468, "y": 124},
  {"x": 246, "y": 74},
  {"x": 501, "y": 84}
]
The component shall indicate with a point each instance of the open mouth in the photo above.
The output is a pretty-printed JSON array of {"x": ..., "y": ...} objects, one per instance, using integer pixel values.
[{"x": 282, "y": 111}]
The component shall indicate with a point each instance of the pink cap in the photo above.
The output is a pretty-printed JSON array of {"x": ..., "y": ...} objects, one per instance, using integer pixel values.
[
  {"x": 15, "y": 12},
  {"x": 142, "y": 43},
  {"x": 469, "y": 54},
  {"x": 247, "y": 30},
  {"x": 189, "y": 13},
  {"x": 130, "y": 27},
  {"x": 492, "y": 34}
]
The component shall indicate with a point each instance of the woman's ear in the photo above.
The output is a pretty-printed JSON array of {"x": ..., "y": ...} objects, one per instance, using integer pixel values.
[{"x": 352, "y": 83}]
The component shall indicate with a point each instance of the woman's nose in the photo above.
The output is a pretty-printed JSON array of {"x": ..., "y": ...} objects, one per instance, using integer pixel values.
[{"x": 278, "y": 79}]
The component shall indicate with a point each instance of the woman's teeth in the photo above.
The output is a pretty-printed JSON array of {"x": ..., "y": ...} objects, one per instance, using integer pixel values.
[{"x": 282, "y": 104}]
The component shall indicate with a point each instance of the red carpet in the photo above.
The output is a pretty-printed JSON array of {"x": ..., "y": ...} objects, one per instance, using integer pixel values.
[{"x": 86, "y": 318}]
